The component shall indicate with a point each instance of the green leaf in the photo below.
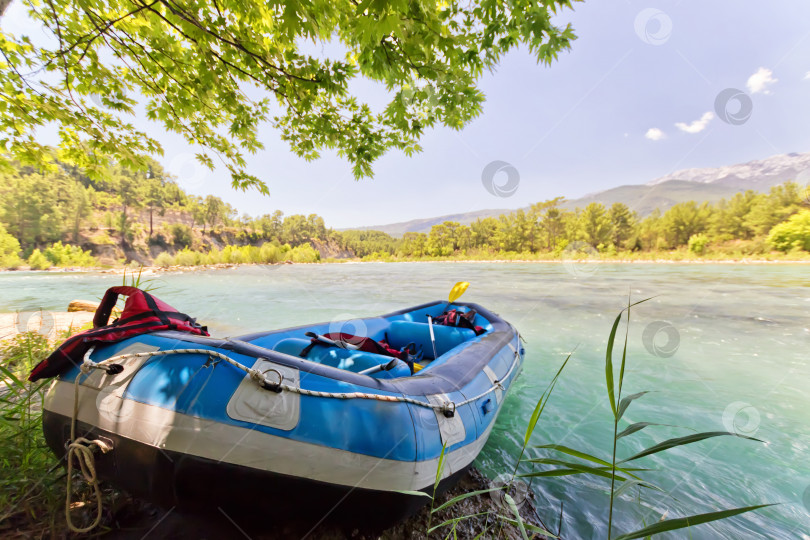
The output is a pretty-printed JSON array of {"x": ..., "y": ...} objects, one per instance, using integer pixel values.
[
  {"x": 439, "y": 468},
  {"x": 541, "y": 403},
  {"x": 625, "y": 402},
  {"x": 609, "y": 357},
  {"x": 550, "y": 473},
  {"x": 609, "y": 363},
  {"x": 529, "y": 526},
  {"x": 638, "y": 426},
  {"x": 579, "y": 466},
  {"x": 458, "y": 498},
  {"x": 572, "y": 452},
  {"x": 681, "y": 523},
  {"x": 513, "y": 507},
  {"x": 7, "y": 372},
  {"x": 630, "y": 484},
  {"x": 455, "y": 520},
  {"x": 680, "y": 441},
  {"x": 577, "y": 469},
  {"x": 412, "y": 492}
]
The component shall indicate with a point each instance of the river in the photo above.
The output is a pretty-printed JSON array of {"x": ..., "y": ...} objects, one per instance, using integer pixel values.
[{"x": 724, "y": 347}]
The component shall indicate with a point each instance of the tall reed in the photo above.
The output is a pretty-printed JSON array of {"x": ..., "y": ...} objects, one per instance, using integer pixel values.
[{"x": 618, "y": 470}]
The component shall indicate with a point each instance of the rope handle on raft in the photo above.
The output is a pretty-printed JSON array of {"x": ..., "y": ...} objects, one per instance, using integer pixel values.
[{"x": 448, "y": 408}]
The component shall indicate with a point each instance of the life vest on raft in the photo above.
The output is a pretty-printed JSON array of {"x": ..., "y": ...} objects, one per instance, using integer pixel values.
[
  {"x": 460, "y": 319},
  {"x": 142, "y": 313}
]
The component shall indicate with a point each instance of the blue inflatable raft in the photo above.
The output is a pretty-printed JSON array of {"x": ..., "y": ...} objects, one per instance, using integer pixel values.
[{"x": 246, "y": 423}]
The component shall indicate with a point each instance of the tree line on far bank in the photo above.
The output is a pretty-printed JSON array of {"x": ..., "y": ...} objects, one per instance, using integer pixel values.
[
  {"x": 749, "y": 223},
  {"x": 61, "y": 218}
]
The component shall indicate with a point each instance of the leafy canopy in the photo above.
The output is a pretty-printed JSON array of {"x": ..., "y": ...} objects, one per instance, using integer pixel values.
[{"x": 214, "y": 70}]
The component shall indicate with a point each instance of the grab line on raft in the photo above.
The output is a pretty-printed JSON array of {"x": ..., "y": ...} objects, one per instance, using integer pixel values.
[{"x": 447, "y": 408}]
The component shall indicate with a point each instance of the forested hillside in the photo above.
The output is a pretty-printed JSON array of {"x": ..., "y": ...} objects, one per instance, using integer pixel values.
[
  {"x": 132, "y": 216},
  {"x": 64, "y": 218}
]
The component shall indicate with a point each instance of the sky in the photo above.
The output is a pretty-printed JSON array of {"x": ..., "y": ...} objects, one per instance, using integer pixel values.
[{"x": 648, "y": 88}]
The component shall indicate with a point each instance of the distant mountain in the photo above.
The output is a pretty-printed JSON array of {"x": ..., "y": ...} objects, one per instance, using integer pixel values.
[
  {"x": 709, "y": 184},
  {"x": 763, "y": 173},
  {"x": 424, "y": 225}
]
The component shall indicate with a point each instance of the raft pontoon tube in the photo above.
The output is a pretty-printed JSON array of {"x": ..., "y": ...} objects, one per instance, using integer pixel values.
[{"x": 246, "y": 424}]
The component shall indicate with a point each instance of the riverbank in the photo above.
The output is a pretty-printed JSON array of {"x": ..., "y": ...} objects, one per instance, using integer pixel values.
[{"x": 154, "y": 270}]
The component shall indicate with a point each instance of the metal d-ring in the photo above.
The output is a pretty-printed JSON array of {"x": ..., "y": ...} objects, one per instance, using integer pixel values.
[{"x": 270, "y": 385}]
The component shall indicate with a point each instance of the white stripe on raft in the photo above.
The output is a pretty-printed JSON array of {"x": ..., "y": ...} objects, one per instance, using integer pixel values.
[{"x": 173, "y": 431}]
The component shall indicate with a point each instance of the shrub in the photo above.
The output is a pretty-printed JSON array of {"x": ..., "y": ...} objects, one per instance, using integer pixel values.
[
  {"x": 38, "y": 261},
  {"x": 304, "y": 253},
  {"x": 158, "y": 239},
  {"x": 232, "y": 255},
  {"x": 212, "y": 257},
  {"x": 270, "y": 253},
  {"x": 9, "y": 250},
  {"x": 186, "y": 257},
  {"x": 792, "y": 234},
  {"x": 102, "y": 238},
  {"x": 698, "y": 243},
  {"x": 67, "y": 255},
  {"x": 164, "y": 260},
  {"x": 181, "y": 234}
]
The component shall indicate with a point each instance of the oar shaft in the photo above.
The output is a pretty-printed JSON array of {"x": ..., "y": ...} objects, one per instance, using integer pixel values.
[{"x": 432, "y": 337}]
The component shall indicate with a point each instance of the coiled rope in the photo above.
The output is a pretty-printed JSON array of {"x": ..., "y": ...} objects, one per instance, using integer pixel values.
[{"x": 83, "y": 451}]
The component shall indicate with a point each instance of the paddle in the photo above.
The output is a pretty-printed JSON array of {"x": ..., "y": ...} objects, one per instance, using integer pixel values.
[
  {"x": 325, "y": 340},
  {"x": 455, "y": 293},
  {"x": 388, "y": 366}
]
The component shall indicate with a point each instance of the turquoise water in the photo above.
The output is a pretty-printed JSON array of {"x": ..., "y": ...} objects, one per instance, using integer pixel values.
[{"x": 739, "y": 361}]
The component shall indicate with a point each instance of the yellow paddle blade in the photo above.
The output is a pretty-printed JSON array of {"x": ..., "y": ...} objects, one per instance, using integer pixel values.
[
  {"x": 457, "y": 290},
  {"x": 417, "y": 367}
]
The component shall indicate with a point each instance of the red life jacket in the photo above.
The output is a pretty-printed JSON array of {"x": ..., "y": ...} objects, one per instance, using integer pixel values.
[
  {"x": 461, "y": 319},
  {"x": 142, "y": 313}
]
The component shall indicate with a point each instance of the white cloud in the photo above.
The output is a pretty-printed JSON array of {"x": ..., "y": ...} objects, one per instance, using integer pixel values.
[
  {"x": 697, "y": 126},
  {"x": 760, "y": 81},
  {"x": 807, "y": 76},
  {"x": 655, "y": 134}
]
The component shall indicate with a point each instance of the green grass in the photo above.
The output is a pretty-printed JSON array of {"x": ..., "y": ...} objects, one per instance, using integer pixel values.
[{"x": 32, "y": 484}]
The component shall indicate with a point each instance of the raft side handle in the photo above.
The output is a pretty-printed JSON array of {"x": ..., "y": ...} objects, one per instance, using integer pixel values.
[{"x": 267, "y": 384}]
